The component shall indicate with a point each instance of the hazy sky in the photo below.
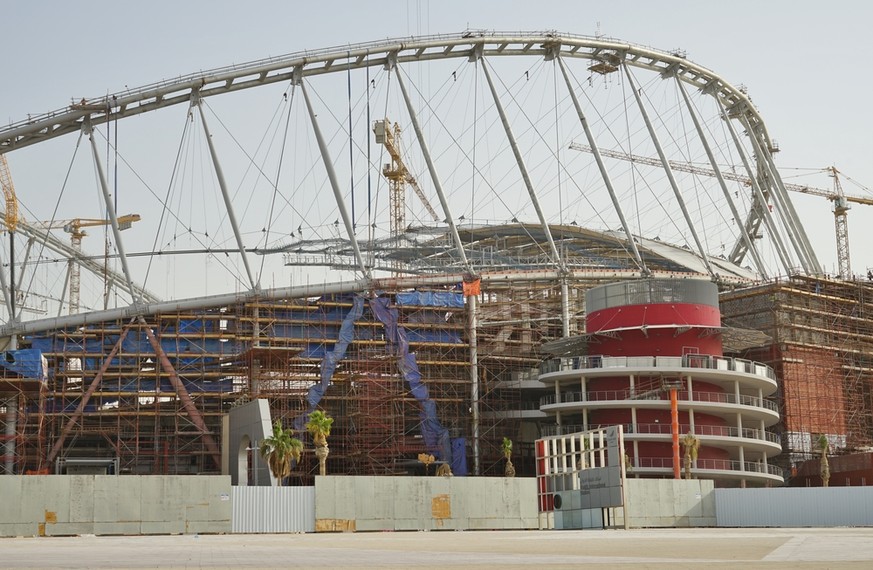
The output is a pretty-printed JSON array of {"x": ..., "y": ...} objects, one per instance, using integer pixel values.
[{"x": 803, "y": 62}]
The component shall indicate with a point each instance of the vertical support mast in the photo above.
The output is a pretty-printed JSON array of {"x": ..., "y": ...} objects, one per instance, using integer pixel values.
[
  {"x": 219, "y": 174},
  {"x": 523, "y": 169},
  {"x": 668, "y": 170},
  {"x": 603, "y": 172},
  {"x": 110, "y": 209},
  {"x": 734, "y": 212},
  {"x": 331, "y": 175}
]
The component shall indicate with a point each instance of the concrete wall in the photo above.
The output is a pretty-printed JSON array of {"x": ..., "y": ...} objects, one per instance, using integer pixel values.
[
  {"x": 347, "y": 503},
  {"x": 669, "y": 503},
  {"x": 46, "y": 505}
]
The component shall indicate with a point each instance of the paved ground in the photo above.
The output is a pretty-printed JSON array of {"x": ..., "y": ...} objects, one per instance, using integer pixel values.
[{"x": 672, "y": 548}]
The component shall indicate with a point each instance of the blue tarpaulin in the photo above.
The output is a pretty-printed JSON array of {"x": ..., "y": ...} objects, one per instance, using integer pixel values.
[
  {"x": 435, "y": 436},
  {"x": 459, "y": 456},
  {"x": 431, "y": 299},
  {"x": 25, "y": 363},
  {"x": 331, "y": 359}
]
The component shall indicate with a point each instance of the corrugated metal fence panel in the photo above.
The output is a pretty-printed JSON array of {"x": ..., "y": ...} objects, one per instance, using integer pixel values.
[
  {"x": 794, "y": 507},
  {"x": 273, "y": 509}
]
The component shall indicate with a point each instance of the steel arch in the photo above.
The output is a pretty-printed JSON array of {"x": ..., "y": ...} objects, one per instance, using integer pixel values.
[{"x": 88, "y": 113}]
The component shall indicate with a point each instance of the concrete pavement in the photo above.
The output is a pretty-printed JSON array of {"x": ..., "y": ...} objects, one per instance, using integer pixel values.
[{"x": 661, "y": 548}]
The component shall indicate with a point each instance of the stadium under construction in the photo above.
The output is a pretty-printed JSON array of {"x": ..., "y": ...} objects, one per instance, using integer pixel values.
[{"x": 455, "y": 334}]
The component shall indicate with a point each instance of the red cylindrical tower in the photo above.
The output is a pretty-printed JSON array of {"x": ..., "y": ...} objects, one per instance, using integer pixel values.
[{"x": 655, "y": 318}]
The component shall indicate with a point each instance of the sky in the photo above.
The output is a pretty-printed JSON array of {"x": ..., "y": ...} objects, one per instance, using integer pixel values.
[{"x": 803, "y": 63}]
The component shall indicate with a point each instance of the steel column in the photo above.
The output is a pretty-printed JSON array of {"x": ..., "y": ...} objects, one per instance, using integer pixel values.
[
  {"x": 749, "y": 243},
  {"x": 434, "y": 176},
  {"x": 219, "y": 174},
  {"x": 668, "y": 171},
  {"x": 781, "y": 250},
  {"x": 523, "y": 169},
  {"x": 473, "y": 337},
  {"x": 603, "y": 172},
  {"x": 110, "y": 209},
  {"x": 334, "y": 184},
  {"x": 784, "y": 206}
]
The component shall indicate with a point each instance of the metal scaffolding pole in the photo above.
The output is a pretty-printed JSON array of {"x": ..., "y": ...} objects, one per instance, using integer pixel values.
[
  {"x": 95, "y": 383},
  {"x": 331, "y": 174},
  {"x": 110, "y": 209},
  {"x": 736, "y": 214},
  {"x": 603, "y": 172},
  {"x": 668, "y": 171},
  {"x": 219, "y": 174}
]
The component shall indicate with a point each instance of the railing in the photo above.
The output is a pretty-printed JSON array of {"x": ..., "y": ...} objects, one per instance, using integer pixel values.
[
  {"x": 708, "y": 465},
  {"x": 703, "y": 361},
  {"x": 683, "y": 395},
  {"x": 666, "y": 429}
]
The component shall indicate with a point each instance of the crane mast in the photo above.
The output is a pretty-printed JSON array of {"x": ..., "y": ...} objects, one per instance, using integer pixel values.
[
  {"x": 75, "y": 228},
  {"x": 841, "y": 225},
  {"x": 398, "y": 176},
  {"x": 837, "y": 196},
  {"x": 11, "y": 219}
]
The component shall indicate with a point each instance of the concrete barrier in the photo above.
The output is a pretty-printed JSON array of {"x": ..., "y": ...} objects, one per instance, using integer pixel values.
[
  {"x": 52, "y": 505},
  {"x": 365, "y": 503}
]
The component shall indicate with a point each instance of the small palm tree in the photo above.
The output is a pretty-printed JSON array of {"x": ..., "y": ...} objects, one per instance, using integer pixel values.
[
  {"x": 318, "y": 427},
  {"x": 506, "y": 447},
  {"x": 427, "y": 459},
  {"x": 281, "y": 451},
  {"x": 692, "y": 445},
  {"x": 825, "y": 468}
]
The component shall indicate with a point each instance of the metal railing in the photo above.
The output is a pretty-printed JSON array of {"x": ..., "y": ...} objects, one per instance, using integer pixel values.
[
  {"x": 683, "y": 396},
  {"x": 666, "y": 429},
  {"x": 700, "y": 361},
  {"x": 708, "y": 465}
]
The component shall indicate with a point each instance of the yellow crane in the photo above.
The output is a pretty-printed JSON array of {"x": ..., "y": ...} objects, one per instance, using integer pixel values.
[
  {"x": 75, "y": 228},
  {"x": 11, "y": 217},
  {"x": 837, "y": 196},
  {"x": 11, "y": 220},
  {"x": 398, "y": 176}
]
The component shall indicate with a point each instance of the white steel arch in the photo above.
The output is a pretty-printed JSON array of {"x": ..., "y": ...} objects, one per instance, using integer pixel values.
[{"x": 601, "y": 55}]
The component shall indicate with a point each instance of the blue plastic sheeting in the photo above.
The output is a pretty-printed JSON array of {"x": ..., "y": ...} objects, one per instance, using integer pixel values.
[
  {"x": 431, "y": 299},
  {"x": 435, "y": 436},
  {"x": 331, "y": 359},
  {"x": 25, "y": 363},
  {"x": 459, "y": 456},
  {"x": 450, "y": 337}
]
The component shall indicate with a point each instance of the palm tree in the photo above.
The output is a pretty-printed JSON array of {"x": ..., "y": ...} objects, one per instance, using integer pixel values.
[
  {"x": 506, "y": 446},
  {"x": 318, "y": 427},
  {"x": 427, "y": 460},
  {"x": 825, "y": 468},
  {"x": 692, "y": 445},
  {"x": 281, "y": 451}
]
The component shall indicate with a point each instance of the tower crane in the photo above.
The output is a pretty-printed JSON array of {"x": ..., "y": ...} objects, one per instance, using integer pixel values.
[
  {"x": 398, "y": 176},
  {"x": 11, "y": 219},
  {"x": 837, "y": 196},
  {"x": 75, "y": 228}
]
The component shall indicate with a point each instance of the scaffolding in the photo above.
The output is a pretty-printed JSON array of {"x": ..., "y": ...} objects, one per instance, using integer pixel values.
[
  {"x": 822, "y": 351},
  {"x": 109, "y": 395}
]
